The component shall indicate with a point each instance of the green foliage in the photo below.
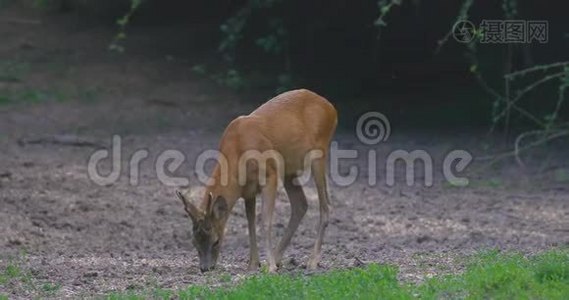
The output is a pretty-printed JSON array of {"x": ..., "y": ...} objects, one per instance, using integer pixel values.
[
  {"x": 551, "y": 267},
  {"x": 234, "y": 79},
  {"x": 4, "y": 99},
  {"x": 232, "y": 31},
  {"x": 42, "y": 4},
  {"x": 30, "y": 96},
  {"x": 562, "y": 175},
  {"x": 506, "y": 104},
  {"x": 231, "y": 79},
  {"x": 13, "y": 71},
  {"x": 489, "y": 275},
  {"x": 14, "y": 273},
  {"x": 385, "y": 7},
  {"x": 200, "y": 69},
  {"x": 11, "y": 271},
  {"x": 493, "y": 183},
  {"x": 273, "y": 42},
  {"x": 116, "y": 44},
  {"x": 492, "y": 275},
  {"x": 510, "y": 8},
  {"x": 359, "y": 283},
  {"x": 27, "y": 95},
  {"x": 511, "y": 97},
  {"x": 50, "y": 288}
]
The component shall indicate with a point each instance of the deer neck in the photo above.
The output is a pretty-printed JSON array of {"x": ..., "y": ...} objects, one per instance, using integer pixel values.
[{"x": 225, "y": 185}]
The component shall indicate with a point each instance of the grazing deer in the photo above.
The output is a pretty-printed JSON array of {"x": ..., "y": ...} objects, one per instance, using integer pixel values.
[{"x": 258, "y": 150}]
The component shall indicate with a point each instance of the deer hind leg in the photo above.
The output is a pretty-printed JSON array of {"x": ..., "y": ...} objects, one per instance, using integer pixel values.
[
  {"x": 298, "y": 207},
  {"x": 319, "y": 172},
  {"x": 253, "y": 249},
  {"x": 268, "y": 194}
]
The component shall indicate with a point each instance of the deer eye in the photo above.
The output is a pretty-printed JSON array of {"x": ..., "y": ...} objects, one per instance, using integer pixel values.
[{"x": 216, "y": 244}]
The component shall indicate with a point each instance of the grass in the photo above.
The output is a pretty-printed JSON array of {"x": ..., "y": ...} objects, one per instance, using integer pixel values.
[
  {"x": 488, "y": 183},
  {"x": 505, "y": 276},
  {"x": 13, "y": 71},
  {"x": 18, "y": 280},
  {"x": 490, "y": 275},
  {"x": 562, "y": 175},
  {"x": 55, "y": 94},
  {"x": 29, "y": 96},
  {"x": 9, "y": 273},
  {"x": 16, "y": 90}
]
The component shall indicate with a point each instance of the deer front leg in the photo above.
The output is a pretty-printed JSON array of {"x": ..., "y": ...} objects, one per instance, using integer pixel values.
[
  {"x": 253, "y": 249},
  {"x": 268, "y": 194}
]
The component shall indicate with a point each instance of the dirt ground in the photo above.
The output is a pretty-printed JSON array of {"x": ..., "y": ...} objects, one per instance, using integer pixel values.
[{"x": 91, "y": 240}]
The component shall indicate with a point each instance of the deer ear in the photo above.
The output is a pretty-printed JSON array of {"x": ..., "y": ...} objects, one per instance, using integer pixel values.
[
  {"x": 220, "y": 208},
  {"x": 189, "y": 207}
]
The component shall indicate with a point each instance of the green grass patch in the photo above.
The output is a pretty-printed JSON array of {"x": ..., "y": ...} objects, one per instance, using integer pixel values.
[
  {"x": 13, "y": 71},
  {"x": 505, "y": 276},
  {"x": 50, "y": 288},
  {"x": 562, "y": 175},
  {"x": 56, "y": 94},
  {"x": 487, "y": 183},
  {"x": 10, "y": 272},
  {"x": 489, "y": 275},
  {"x": 359, "y": 283},
  {"x": 31, "y": 96},
  {"x": 15, "y": 279}
]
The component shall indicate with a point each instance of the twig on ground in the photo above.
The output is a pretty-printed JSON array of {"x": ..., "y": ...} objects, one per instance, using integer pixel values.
[
  {"x": 64, "y": 140},
  {"x": 21, "y": 21}
]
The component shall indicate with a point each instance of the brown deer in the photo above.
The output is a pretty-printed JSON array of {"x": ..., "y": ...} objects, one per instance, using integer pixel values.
[{"x": 256, "y": 151}]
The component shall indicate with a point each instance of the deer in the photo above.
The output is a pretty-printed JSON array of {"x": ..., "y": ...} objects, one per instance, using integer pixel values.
[{"x": 288, "y": 127}]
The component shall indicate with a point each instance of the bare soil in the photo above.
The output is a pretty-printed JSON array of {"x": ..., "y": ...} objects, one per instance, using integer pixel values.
[{"x": 91, "y": 240}]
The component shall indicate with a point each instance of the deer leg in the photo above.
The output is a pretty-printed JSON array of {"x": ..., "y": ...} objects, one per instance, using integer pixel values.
[
  {"x": 268, "y": 194},
  {"x": 319, "y": 172},
  {"x": 298, "y": 207},
  {"x": 253, "y": 249}
]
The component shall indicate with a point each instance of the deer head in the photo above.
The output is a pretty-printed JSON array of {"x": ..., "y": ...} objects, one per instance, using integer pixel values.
[{"x": 208, "y": 227}]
